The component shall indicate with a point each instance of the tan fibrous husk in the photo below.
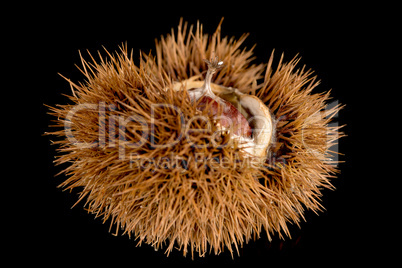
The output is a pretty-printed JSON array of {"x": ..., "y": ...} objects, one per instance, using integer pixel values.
[{"x": 210, "y": 197}]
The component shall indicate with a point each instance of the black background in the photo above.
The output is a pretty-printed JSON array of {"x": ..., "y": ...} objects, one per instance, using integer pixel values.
[{"x": 328, "y": 39}]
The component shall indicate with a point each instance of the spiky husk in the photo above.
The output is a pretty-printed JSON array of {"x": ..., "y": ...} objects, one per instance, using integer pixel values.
[{"x": 197, "y": 198}]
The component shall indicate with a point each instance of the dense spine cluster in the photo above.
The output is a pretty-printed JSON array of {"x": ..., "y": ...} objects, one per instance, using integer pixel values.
[{"x": 145, "y": 158}]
